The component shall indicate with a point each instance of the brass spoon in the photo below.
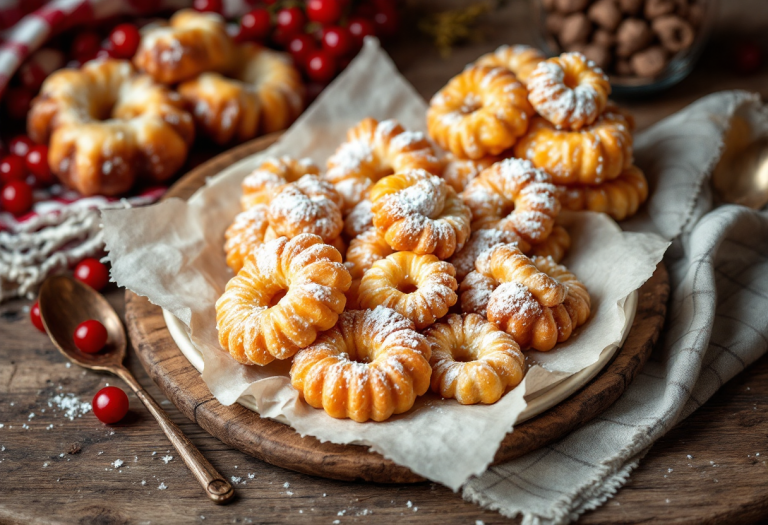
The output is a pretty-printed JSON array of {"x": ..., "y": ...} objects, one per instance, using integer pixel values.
[
  {"x": 741, "y": 176},
  {"x": 64, "y": 304}
]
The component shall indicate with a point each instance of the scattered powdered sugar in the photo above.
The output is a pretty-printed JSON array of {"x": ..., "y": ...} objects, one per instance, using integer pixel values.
[
  {"x": 70, "y": 404},
  {"x": 167, "y": 459},
  {"x": 476, "y": 290},
  {"x": 349, "y": 157},
  {"x": 406, "y": 139},
  {"x": 162, "y": 486},
  {"x": 118, "y": 463},
  {"x": 359, "y": 219}
]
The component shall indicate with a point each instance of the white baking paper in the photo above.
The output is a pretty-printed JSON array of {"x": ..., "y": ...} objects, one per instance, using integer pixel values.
[{"x": 172, "y": 253}]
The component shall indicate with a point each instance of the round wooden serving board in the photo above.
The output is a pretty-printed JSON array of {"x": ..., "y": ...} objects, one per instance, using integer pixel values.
[{"x": 280, "y": 445}]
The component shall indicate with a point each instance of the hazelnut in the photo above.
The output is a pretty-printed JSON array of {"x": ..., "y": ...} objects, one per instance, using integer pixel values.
[
  {"x": 654, "y": 8},
  {"x": 576, "y": 29},
  {"x": 605, "y": 13},
  {"x": 649, "y": 62},
  {"x": 603, "y": 38},
  {"x": 598, "y": 54},
  {"x": 548, "y": 5},
  {"x": 554, "y": 23},
  {"x": 630, "y": 7},
  {"x": 632, "y": 35},
  {"x": 674, "y": 33},
  {"x": 623, "y": 68},
  {"x": 571, "y": 6}
]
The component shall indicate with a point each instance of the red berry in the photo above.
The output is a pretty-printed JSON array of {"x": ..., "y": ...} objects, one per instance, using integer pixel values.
[
  {"x": 748, "y": 57},
  {"x": 360, "y": 28},
  {"x": 20, "y": 145},
  {"x": 17, "y": 101},
  {"x": 90, "y": 336},
  {"x": 37, "y": 163},
  {"x": 255, "y": 25},
  {"x": 16, "y": 197},
  {"x": 300, "y": 46},
  {"x": 324, "y": 11},
  {"x": 110, "y": 404},
  {"x": 337, "y": 41},
  {"x": 212, "y": 6},
  {"x": 85, "y": 46},
  {"x": 12, "y": 168},
  {"x": 386, "y": 20},
  {"x": 91, "y": 272},
  {"x": 34, "y": 316},
  {"x": 321, "y": 66},
  {"x": 291, "y": 21},
  {"x": 125, "y": 40}
]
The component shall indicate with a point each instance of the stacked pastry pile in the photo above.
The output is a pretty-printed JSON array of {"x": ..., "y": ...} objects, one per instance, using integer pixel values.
[
  {"x": 408, "y": 264},
  {"x": 112, "y": 122}
]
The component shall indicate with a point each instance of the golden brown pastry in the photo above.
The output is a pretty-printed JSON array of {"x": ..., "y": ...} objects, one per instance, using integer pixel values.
[
  {"x": 244, "y": 235},
  {"x": 592, "y": 155},
  {"x": 513, "y": 195},
  {"x": 107, "y": 126},
  {"x": 418, "y": 212},
  {"x": 620, "y": 198},
  {"x": 536, "y": 301},
  {"x": 309, "y": 205},
  {"x": 191, "y": 43},
  {"x": 519, "y": 59},
  {"x": 286, "y": 293},
  {"x": 482, "y": 111},
  {"x": 374, "y": 150},
  {"x": 569, "y": 91},
  {"x": 260, "y": 185},
  {"x": 473, "y": 360},
  {"x": 420, "y": 287},
  {"x": 371, "y": 365},
  {"x": 261, "y": 94}
]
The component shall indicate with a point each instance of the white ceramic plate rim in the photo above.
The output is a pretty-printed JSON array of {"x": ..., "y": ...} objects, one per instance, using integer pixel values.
[{"x": 537, "y": 404}]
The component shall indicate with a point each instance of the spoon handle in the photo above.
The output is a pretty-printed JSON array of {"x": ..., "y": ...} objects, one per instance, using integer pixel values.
[{"x": 215, "y": 486}]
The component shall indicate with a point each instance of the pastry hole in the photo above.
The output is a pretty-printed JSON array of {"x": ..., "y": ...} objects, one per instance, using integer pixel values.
[
  {"x": 463, "y": 355},
  {"x": 570, "y": 81},
  {"x": 276, "y": 298},
  {"x": 407, "y": 287},
  {"x": 470, "y": 104}
]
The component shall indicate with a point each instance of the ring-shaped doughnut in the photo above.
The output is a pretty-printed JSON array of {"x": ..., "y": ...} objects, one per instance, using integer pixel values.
[
  {"x": 569, "y": 91},
  {"x": 519, "y": 59},
  {"x": 309, "y": 205},
  {"x": 191, "y": 43},
  {"x": 481, "y": 111},
  {"x": 620, "y": 198},
  {"x": 592, "y": 155},
  {"x": 513, "y": 195},
  {"x": 286, "y": 293},
  {"x": 260, "y": 185},
  {"x": 371, "y": 365},
  {"x": 262, "y": 94},
  {"x": 419, "y": 212},
  {"x": 374, "y": 150},
  {"x": 420, "y": 287},
  {"x": 473, "y": 360}
]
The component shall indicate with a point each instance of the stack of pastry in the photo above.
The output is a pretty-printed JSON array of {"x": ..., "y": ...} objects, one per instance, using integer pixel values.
[
  {"x": 112, "y": 122},
  {"x": 412, "y": 263}
]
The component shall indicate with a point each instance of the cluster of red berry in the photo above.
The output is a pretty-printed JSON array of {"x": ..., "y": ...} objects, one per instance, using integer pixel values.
[
  {"x": 321, "y": 35},
  {"x": 22, "y": 168},
  {"x": 110, "y": 404}
]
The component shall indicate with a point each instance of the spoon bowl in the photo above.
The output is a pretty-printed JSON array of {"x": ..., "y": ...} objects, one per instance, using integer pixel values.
[{"x": 64, "y": 304}]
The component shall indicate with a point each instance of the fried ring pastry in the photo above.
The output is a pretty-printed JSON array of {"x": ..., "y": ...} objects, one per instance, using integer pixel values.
[
  {"x": 371, "y": 365},
  {"x": 620, "y": 198},
  {"x": 519, "y": 59},
  {"x": 420, "y": 287},
  {"x": 473, "y": 361},
  {"x": 260, "y": 185}
]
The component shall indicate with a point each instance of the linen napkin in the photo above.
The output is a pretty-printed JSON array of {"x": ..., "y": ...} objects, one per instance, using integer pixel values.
[{"x": 716, "y": 323}]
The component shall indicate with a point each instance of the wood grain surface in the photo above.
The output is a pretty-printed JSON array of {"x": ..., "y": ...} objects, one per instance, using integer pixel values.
[{"x": 706, "y": 470}]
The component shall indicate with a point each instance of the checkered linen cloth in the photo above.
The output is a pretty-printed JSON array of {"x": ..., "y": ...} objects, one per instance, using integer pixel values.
[{"x": 716, "y": 323}]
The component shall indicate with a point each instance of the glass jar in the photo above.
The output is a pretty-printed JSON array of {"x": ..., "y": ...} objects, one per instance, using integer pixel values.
[{"x": 643, "y": 45}]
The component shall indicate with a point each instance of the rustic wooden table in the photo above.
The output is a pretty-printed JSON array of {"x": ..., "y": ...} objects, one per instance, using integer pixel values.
[{"x": 57, "y": 467}]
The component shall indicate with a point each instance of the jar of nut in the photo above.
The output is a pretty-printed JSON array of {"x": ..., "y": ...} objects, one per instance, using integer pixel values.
[{"x": 644, "y": 45}]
